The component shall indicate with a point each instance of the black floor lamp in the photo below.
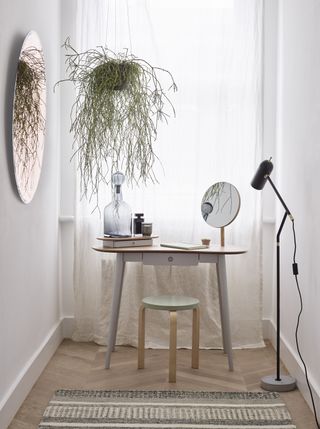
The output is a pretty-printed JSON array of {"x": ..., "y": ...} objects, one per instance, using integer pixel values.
[{"x": 275, "y": 382}]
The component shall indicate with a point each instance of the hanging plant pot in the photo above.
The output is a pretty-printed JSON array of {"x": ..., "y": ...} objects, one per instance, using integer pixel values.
[
  {"x": 113, "y": 75},
  {"x": 120, "y": 102}
]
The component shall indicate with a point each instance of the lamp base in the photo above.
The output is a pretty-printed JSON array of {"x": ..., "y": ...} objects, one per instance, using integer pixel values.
[{"x": 286, "y": 384}]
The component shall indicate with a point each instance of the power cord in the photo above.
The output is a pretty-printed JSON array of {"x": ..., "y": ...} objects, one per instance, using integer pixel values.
[{"x": 295, "y": 273}]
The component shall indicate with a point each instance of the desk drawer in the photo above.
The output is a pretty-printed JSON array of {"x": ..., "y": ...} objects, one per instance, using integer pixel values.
[{"x": 170, "y": 259}]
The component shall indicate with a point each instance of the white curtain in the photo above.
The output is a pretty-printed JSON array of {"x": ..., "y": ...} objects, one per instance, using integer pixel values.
[{"x": 213, "y": 49}]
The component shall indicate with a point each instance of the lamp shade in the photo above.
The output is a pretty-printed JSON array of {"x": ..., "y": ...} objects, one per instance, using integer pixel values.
[{"x": 261, "y": 175}]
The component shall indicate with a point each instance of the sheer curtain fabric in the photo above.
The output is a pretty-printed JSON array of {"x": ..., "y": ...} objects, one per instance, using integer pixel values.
[{"x": 213, "y": 49}]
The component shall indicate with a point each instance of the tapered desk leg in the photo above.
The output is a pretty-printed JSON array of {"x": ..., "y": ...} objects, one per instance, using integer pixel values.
[
  {"x": 173, "y": 347},
  {"x": 195, "y": 338},
  {"x": 116, "y": 299},
  {"x": 141, "y": 336},
  {"x": 224, "y": 308}
]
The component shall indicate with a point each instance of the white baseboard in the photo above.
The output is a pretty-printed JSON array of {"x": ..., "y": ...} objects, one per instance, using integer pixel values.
[
  {"x": 266, "y": 329},
  {"x": 29, "y": 375},
  {"x": 32, "y": 370},
  {"x": 292, "y": 362},
  {"x": 67, "y": 326}
]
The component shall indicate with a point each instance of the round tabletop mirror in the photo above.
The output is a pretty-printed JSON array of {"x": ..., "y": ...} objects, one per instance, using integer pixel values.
[
  {"x": 220, "y": 205},
  {"x": 29, "y": 111}
]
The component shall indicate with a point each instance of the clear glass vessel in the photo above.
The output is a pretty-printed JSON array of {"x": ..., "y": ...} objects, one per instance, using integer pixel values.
[{"x": 117, "y": 214}]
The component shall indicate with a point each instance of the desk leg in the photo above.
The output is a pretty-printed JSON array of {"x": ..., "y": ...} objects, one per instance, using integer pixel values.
[
  {"x": 224, "y": 308},
  {"x": 116, "y": 299}
]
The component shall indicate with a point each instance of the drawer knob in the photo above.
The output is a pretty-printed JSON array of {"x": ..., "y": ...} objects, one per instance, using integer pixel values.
[{"x": 170, "y": 258}]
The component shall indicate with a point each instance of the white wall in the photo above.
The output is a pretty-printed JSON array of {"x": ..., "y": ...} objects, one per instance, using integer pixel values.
[
  {"x": 298, "y": 164},
  {"x": 29, "y": 293},
  {"x": 269, "y": 148}
]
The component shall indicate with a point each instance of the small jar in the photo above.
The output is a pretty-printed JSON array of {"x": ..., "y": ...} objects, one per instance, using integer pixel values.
[
  {"x": 146, "y": 229},
  {"x": 205, "y": 241}
]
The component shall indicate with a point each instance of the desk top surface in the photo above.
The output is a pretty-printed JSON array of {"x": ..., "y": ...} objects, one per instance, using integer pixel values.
[{"x": 214, "y": 249}]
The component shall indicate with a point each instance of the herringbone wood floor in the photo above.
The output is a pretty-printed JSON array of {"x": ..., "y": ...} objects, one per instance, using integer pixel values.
[{"x": 81, "y": 366}]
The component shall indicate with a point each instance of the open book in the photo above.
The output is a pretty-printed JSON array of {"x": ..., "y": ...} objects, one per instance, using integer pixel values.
[{"x": 185, "y": 246}]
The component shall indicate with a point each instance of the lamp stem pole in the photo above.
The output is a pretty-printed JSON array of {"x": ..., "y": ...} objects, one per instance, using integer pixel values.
[{"x": 278, "y": 295}]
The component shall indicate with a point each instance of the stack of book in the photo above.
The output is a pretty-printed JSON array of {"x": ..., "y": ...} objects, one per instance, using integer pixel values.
[
  {"x": 129, "y": 241},
  {"x": 185, "y": 246}
]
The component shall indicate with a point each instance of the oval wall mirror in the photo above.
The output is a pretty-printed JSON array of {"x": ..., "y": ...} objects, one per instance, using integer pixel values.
[
  {"x": 29, "y": 117},
  {"x": 220, "y": 205}
]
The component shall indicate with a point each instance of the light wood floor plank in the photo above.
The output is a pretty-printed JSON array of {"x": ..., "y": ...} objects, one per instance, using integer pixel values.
[{"x": 81, "y": 366}]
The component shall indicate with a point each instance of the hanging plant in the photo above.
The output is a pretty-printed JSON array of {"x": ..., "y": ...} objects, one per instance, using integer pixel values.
[{"x": 115, "y": 116}]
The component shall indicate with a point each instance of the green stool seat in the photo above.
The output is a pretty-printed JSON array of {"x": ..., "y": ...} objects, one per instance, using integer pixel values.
[{"x": 172, "y": 304}]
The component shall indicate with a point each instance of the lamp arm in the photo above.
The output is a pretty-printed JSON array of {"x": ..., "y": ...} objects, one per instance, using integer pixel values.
[
  {"x": 280, "y": 227},
  {"x": 280, "y": 198}
]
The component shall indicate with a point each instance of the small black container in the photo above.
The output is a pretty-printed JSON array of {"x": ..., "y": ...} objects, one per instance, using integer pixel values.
[{"x": 137, "y": 222}]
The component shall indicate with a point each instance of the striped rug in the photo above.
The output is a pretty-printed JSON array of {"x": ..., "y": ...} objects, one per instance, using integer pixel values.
[{"x": 165, "y": 409}]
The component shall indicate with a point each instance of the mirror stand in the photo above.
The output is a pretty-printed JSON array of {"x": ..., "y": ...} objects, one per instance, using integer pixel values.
[{"x": 222, "y": 236}]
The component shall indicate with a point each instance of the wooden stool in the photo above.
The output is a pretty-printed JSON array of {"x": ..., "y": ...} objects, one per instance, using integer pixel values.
[{"x": 171, "y": 304}]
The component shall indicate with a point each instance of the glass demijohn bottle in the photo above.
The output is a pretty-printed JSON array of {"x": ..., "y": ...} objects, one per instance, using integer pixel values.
[{"x": 117, "y": 214}]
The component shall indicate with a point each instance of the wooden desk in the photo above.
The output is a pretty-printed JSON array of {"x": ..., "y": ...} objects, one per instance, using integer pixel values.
[{"x": 156, "y": 255}]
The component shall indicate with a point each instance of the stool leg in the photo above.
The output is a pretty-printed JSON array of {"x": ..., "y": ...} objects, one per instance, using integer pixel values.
[
  {"x": 195, "y": 338},
  {"x": 141, "y": 337},
  {"x": 173, "y": 347}
]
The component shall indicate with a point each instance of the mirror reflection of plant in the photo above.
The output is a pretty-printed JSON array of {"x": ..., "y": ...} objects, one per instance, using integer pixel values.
[
  {"x": 118, "y": 106},
  {"x": 214, "y": 194},
  {"x": 28, "y": 120}
]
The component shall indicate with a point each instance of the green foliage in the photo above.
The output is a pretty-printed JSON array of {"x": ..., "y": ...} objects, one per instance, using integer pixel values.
[
  {"x": 220, "y": 191},
  {"x": 214, "y": 192},
  {"x": 115, "y": 116},
  {"x": 28, "y": 120}
]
